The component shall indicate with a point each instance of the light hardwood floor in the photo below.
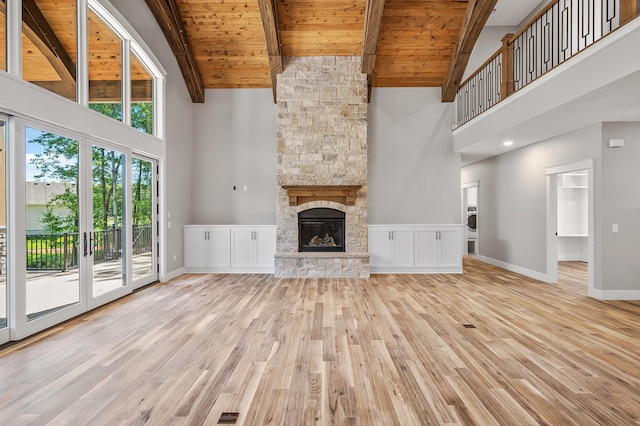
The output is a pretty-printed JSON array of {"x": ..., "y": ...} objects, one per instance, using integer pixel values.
[{"x": 392, "y": 350}]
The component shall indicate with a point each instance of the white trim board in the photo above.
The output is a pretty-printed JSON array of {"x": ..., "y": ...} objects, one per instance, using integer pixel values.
[
  {"x": 173, "y": 274},
  {"x": 615, "y": 294},
  {"x": 540, "y": 276}
]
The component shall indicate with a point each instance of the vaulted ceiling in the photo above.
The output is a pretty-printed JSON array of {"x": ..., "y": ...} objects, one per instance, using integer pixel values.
[{"x": 241, "y": 43}]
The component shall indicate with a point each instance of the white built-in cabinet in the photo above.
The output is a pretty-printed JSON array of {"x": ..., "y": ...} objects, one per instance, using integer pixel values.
[
  {"x": 391, "y": 246},
  {"x": 415, "y": 248},
  {"x": 229, "y": 248},
  {"x": 438, "y": 247},
  {"x": 253, "y": 247},
  {"x": 206, "y": 247}
]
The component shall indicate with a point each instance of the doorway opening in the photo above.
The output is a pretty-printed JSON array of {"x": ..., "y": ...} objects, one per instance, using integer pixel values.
[
  {"x": 470, "y": 198},
  {"x": 573, "y": 226},
  {"x": 570, "y": 223}
]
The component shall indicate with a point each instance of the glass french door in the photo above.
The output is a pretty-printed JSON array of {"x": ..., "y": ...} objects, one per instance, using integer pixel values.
[
  {"x": 144, "y": 259},
  {"x": 108, "y": 234},
  {"x": 85, "y": 232},
  {"x": 47, "y": 269}
]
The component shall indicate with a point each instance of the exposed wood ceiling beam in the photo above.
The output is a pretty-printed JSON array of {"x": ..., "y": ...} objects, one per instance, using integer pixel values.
[
  {"x": 373, "y": 18},
  {"x": 475, "y": 18},
  {"x": 269, "y": 15},
  {"x": 168, "y": 17}
]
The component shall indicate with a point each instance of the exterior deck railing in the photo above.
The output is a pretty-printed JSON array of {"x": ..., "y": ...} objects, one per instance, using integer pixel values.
[
  {"x": 59, "y": 252},
  {"x": 558, "y": 32}
]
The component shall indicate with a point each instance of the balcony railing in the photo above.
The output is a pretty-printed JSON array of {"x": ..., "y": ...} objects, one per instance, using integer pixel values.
[
  {"x": 59, "y": 252},
  {"x": 558, "y": 32}
]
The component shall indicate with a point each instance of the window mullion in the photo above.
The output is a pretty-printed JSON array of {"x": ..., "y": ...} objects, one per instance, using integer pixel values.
[
  {"x": 14, "y": 37},
  {"x": 126, "y": 81},
  {"x": 82, "y": 58}
]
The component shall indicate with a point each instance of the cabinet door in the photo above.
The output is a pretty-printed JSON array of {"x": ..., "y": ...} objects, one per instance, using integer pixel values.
[
  {"x": 402, "y": 247},
  {"x": 265, "y": 247},
  {"x": 218, "y": 247},
  {"x": 426, "y": 247},
  {"x": 243, "y": 248},
  {"x": 195, "y": 247},
  {"x": 450, "y": 247},
  {"x": 379, "y": 246}
]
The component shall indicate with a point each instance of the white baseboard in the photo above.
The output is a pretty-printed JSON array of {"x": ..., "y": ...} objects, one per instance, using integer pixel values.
[
  {"x": 615, "y": 294},
  {"x": 515, "y": 268},
  {"x": 173, "y": 274},
  {"x": 417, "y": 270},
  {"x": 229, "y": 270}
]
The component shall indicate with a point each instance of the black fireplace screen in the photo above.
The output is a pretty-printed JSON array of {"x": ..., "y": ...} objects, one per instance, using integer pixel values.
[{"x": 321, "y": 229}]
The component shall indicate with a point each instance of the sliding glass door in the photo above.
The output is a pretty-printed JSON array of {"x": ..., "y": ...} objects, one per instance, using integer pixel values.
[
  {"x": 52, "y": 219},
  {"x": 86, "y": 232},
  {"x": 108, "y": 255}
]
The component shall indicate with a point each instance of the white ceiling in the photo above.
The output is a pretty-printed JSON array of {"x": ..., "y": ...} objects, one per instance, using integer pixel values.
[{"x": 513, "y": 12}]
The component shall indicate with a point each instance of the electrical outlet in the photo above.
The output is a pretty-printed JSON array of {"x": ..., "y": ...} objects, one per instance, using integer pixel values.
[
  {"x": 169, "y": 224},
  {"x": 244, "y": 188},
  {"x": 175, "y": 258}
]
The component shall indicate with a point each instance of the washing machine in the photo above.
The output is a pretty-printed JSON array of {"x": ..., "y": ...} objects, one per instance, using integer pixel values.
[
  {"x": 472, "y": 218},
  {"x": 472, "y": 232}
]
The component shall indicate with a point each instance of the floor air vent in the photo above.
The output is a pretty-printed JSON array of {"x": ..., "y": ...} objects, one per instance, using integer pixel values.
[
  {"x": 228, "y": 418},
  {"x": 468, "y": 326}
]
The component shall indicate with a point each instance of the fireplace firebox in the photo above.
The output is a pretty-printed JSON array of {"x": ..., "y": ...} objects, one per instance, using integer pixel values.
[{"x": 321, "y": 229}]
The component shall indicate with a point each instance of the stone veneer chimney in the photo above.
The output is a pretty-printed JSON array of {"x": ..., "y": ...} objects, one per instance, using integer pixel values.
[{"x": 322, "y": 141}]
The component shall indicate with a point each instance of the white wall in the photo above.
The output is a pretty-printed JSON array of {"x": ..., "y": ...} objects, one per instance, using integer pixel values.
[
  {"x": 414, "y": 176},
  {"x": 179, "y": 130},
  {"x": 512, "y": 191},
  {"x": 620, "y": 203},
  {"x": 235, "y": 145}
]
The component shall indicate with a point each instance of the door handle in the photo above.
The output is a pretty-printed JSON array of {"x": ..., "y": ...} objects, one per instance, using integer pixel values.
[
  {"x": 90, "y": 243},
  {"x": 85, "y": 245}
]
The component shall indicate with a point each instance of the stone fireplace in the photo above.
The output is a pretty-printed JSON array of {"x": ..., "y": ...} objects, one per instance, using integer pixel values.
[{"x": 322, "y": 163}]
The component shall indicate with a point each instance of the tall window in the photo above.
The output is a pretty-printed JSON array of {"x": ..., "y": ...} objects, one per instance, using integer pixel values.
[
  {"x": 3, "y": 37},
  {"x": 105, "y": 68},
  {"x": 141, "y": 96},
  {"x": 49, "y": 45}
]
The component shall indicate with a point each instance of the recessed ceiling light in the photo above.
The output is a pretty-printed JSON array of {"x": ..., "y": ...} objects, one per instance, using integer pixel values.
[{"x": 507, "y": 143}]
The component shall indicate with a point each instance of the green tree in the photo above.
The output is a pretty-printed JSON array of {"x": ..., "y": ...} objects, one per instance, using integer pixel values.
[
  {"x": 142, "y": 192},
  {"x": 58, "y": 162},
  {"x": 142, "y": 116}
]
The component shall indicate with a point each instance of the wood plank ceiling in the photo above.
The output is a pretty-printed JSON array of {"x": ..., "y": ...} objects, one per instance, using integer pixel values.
[
  {"x": 403, "y": 43},
  {"x": 241, "y": 43}
]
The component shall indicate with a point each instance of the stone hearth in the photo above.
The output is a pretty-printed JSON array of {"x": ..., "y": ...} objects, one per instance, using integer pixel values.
[{"x": 322, "y": 144}]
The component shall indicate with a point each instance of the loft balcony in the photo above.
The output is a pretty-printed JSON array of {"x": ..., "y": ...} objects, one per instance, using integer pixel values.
[{"x": 574, "y": 64}]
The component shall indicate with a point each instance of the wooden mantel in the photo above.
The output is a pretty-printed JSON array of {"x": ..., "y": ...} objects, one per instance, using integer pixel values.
[{"x": 343, "y": 194}]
